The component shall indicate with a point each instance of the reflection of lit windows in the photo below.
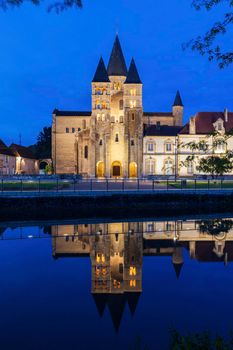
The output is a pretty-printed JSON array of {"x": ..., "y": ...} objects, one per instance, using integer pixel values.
[
  {"x": 132, "y": 271},
  {"x": 104, "y": 271},
  {"x": 150, "y": 227},
  {"x": 132, "y": 283},
  {"x": 98, "y": 258},
  {"x": 103, "y": 258},
  {"x": 97, "y": 271}
]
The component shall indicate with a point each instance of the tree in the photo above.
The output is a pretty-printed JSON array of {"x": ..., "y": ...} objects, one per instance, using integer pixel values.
[
  {"x": 205, "y": 44},
  {"x": 206, "y": 157},
  {"x": 57, "y": 6},
  {"x": 42, "y": 149}
]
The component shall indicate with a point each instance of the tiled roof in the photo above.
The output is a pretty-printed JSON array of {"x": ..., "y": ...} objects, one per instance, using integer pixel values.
[
  {"x": 72, "y": 113},
  {"x": 5, "y": 150},
  {"x": 204, "y": 122},
  {"x": 133, "y": 76},
  {"x": 162, "y": 130},
  {"x": 116, "y": 65},
  {"x": 22, "y": 151},
  {"x": 157, "y": 114},
  {"x": 101, "y": 75}
]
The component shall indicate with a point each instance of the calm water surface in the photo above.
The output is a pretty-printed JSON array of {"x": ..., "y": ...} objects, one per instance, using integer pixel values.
[{"x": 72, "y": 285}]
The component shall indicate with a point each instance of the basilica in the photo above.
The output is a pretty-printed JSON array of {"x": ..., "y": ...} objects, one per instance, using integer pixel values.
[{"x": 117, "y": 138}]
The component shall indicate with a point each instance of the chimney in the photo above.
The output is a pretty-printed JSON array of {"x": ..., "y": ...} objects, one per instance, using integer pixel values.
[
  {"x": 226, "y": 115},
  {"x": 192, "y": 126}
]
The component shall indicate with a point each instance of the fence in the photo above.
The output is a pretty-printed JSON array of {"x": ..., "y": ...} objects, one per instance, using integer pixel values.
[{"x": 74, "y": 185}]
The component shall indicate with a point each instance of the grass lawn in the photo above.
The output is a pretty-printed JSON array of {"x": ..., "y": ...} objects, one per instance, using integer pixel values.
[{"x": 33, "y": 186}]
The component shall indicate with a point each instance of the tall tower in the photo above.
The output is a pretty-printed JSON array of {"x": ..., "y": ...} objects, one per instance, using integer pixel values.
[
  {"x": 178, "y": 110},
  {"x": 134, "y": 120},
  {"x": 100, "y": 120}
]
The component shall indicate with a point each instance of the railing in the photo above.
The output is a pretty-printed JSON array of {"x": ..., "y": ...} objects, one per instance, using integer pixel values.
[{"x": 76, "y": 185}]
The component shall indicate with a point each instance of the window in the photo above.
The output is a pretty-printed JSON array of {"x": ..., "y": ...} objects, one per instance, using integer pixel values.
[
  {"x": 168, "y": 166},
  {"x": 73, "y": 130},
  {"x": 132, "y": 271},
  {"x": 169, "y": 227},
  {"x": 103, "y": 117},
  {"x": 132, "y": 92},
  {"x": 112, "y": 119},
  {"x": 150, "y": 227},
  {"x": 219, "y": 126},
  {"x": 132, "y": 142},
  {"x": 67, "y": 130},
  {"x": 86, "y": 152},
  {"x": 101, "y": 142},
  {"x": 150, "y": 166},
  {"x": 220, "y": 146},
  {"x": 121, "y": 104},
  {"x": 79, "y": 129},
  {"x": 121, "y": 119},
  {"x": 158, "y": 125},
  {"x": 168, "y": 147},
  {"x": 150, "y": 147},
  {"x": 132, "y": 117},
  {"x": 117, "y": 138},
  {"x": 132, "y": 104},
  {"x": 98, "y": 116}
]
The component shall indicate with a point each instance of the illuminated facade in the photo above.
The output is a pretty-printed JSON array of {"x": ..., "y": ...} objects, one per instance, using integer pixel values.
[
  {"x": 108, "y": 141},
  {"x": 117, "y": 138}
]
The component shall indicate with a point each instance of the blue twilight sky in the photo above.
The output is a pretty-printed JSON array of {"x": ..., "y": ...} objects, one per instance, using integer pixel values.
[{"x": 48, "y": 60}]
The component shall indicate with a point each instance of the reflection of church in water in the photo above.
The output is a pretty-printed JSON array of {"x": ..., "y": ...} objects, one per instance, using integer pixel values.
[{"x": 116, "y": 251}]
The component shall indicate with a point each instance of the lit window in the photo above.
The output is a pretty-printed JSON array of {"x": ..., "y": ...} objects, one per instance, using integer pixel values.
[
  {"x": 67, "y": 130},
  {"x": 103, "y": 117},
  {"x": 132, "y": 104},
  {"x": 117, "y": 138},
  {"x": 103, "y": 258},
  {"x": 98, "y": 116},
  {"x": 150, "y": 147},
  {"x": 98, "y": 258},
  {"x": 132, "y": 283},
  {"x": 132, "y": 92},
  {"x": 168, "y": 147},
  {"x": 132, "y": 271}
]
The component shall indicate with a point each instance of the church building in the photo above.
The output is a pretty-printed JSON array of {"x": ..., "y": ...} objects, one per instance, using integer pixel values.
[{"x": 109, "y": 140}]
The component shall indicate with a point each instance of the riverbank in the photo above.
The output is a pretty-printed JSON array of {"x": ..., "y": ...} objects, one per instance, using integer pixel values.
[{"x": 53, "y": 205}]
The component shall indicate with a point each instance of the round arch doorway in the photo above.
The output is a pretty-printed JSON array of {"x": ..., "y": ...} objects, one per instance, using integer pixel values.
[
  {"x": 133, "y": 169},
  {"x": 100, "y": 169},
  {"x": 116, "y": 169}
]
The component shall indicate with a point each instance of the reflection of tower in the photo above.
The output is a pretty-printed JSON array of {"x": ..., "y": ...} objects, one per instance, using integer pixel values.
[{"x": 177, "y": 260}]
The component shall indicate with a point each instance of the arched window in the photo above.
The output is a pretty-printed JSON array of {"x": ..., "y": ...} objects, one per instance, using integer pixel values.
[
  {"x": 86, "y": 152},
  {"x": 101, "y": 142},
  {"x": 121, "y": 104}
]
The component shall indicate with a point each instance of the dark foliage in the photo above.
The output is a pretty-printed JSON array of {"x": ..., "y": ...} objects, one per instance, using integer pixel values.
[
  {"x": 57, "y": 6},
  {"x": 42, "y": 149},
  {"x": 205, "y": 44}
]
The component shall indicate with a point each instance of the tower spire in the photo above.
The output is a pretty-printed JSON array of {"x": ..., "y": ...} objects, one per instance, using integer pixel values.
[
  {"x": 117, "y": 65},
  {"x": 178, "y": 101},
  {"x": 133, "y": 76},
  {"x": 101, "y": 75}
]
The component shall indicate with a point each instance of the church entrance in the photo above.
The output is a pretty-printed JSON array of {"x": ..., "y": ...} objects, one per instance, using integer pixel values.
[
  {"x": 116, "y": 169},
  {"x": 100, "y": 169},
  {"x": 133, "y": 169}
]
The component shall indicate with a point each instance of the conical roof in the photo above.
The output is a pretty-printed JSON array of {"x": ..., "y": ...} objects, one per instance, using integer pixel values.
[
  {"x": 133, "y": 76},
  {"x": 100, "y": 302},
  {"x": 178, "y": 101},
  {"x": 116, "y": 305},
  {"x": 116, "y": 64},
  {"x": 132, "y": 299},
  {"x": 101, "y": 75},
  {"x": 177, "y": 268}
]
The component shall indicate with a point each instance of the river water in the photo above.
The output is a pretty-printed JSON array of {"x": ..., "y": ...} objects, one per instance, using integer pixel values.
[{"x": 114, "y": 285}]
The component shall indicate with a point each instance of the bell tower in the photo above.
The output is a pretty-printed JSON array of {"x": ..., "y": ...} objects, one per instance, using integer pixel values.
[
  {"x": 178, "y": 110},
  {"x": 134, "y": 120}
]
